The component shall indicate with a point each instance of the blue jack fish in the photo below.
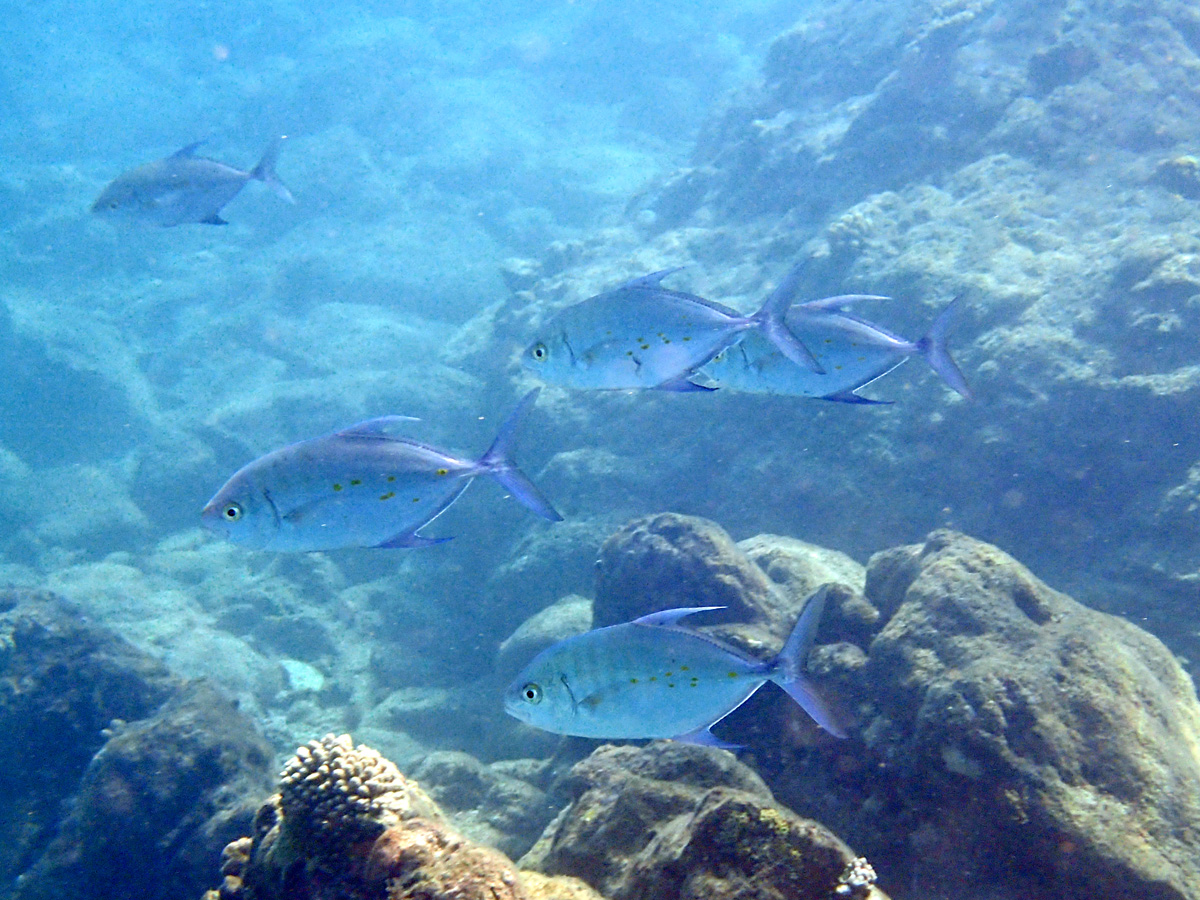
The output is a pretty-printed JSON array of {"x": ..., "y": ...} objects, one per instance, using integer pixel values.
[
  {"x": 642, "y": 335},
  {"x": 852, "y": 351},
  {"x": 361, "y": 487},
  {"x": 184, "y": 188},
  {"x": 651, "y": 678}
]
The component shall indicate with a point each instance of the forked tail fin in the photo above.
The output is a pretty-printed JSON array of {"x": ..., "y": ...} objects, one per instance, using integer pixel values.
[
  {"x": 770, "y": 319},
  {"x": 789, "y": 666},
  {"x": 498, "y": 463},
  {"x": 933, "y": 348},
  {"x": 265, "y": 171}
]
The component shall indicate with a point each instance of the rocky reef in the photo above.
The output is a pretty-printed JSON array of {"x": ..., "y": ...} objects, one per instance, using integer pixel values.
[
  {"x": 121, "y": 779},
  {"x": 667, "y": 821},
  {"x": 346, "y": 824},
  {"x": 1010, "y": 742},
  {"x": 678, "y": 822}
]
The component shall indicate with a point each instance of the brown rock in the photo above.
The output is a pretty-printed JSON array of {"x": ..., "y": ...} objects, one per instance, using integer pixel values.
[
  {"x": 677, "y": 822},
  {"x": 1036, "y": 739}
]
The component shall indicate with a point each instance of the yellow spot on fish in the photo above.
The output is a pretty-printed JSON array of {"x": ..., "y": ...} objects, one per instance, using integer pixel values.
[
  {"x": 391, "y": 478},
  {"x": 671, "y": 685},
  {"x": 667, "y": 674},
  {"x": 416, "y": 499},
  {"x": 653, "y": 678},
  {"x": 443, "y": 471},
  {"x": 733, "y": 674},
  {"x": 683, "y": 668},
  {"x": 687, "y": 338},
  {"x": 337, "y": 487},
  {"x": 355, "y": 482},
  {"x": 388, "y": 496},
  {"x": 633, "y": 681}
]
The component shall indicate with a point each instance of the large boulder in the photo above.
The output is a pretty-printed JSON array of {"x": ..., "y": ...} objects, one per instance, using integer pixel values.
[
  {"x": 678, "y": 822},
  {"x": 1054, "y": 746},
  {"x": 120, "y": 778}
]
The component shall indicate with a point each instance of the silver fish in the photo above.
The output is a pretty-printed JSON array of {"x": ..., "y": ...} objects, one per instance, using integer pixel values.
[
  {"x": 852, "y": 351},
  {"x": 361, "y": 487},
  {"x": 642, "y": 335},
  {"x": 651, "y": 678},
  {"x": 184, "y": 188}
]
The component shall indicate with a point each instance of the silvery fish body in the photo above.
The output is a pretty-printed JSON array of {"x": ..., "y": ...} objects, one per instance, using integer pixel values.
[
  {"x": 642, "y": 335},
  {"x": 362, "y": 487},
  {"x": 651, "y": 678},
  {"x": 183, "y": 188},
  {"x": 852, "y": 351}
]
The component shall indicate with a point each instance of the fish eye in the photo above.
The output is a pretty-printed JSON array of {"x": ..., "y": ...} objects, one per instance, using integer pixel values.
[
  {"x": 539, "y": 352},
  {"x": 532, "y": 693},
  {"x": 232, "y": 512}
]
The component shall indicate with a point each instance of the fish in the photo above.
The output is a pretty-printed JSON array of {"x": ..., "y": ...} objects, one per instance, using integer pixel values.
[
  {"x": 642, "y": 335},
  {"x": 652, "y": 678},
  {"x": 852, "y": 351},
  {"x": 360, "y": 487},
  {"x": 183, "y": 188}
]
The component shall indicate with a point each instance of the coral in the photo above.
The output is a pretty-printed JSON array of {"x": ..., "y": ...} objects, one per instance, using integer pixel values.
[
  {"x": 333, "y": 794},
  {"x": 346, "y": 825}
]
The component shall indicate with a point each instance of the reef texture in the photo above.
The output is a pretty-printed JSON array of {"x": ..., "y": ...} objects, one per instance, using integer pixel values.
[
  {"x": 1039, "y": 161},
  {"x": 1010, "y": 742},
  {"x": 678, "y": 822},
  {"x": 120, "y": 779},
  {"x": 346, "y": 825},
  {"x": 1029, "y": 737}
]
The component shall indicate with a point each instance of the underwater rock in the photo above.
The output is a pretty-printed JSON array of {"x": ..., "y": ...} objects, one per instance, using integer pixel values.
[
  {"x": 568, "y": 617},
  {"x": 347, "y": 825},
  {"x": 63, "y": 682},
  {"x": 1031, "y": 734},
  {"x": 1010, "y": 737},
  {"x": 157, "y": 803},
  {"x": 679, "y": 822},
  {"x": 669, "y": 560},
  {"x": 118, "y": 773},
  {"x": 488, "y": 803}
]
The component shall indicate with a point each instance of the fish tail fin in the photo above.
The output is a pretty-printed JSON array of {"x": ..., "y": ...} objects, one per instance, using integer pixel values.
[
  {"x": 498, "y": 463},
  {"x": 265, "y": 171},
  {"x": 933, "y": 348},
  {"x": 771, "y": 319},
  {"x": 789, "y": 665}
]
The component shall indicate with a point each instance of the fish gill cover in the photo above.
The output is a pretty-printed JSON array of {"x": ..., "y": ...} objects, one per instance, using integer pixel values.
[{"x": 464, "y": 173}]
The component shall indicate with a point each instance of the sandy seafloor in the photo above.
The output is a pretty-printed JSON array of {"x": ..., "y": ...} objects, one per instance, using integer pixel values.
[{"x": 462, "y": 169}]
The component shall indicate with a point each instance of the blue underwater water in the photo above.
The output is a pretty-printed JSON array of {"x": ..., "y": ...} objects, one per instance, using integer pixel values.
[{"x": 464, "y": 171}]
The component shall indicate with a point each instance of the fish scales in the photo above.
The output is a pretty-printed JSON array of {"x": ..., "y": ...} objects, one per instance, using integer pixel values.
[
  {"x": 658, "y": 685},
  {"x": 641, "y": 335},
  {"x": 362, "y": 487}
]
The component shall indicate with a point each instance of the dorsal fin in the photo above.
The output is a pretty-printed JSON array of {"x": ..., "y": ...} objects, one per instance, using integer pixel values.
[
  {"x": 653, "y": 280},
  {"x": 666, "y": 618},
  {"x": 186, "y": 152},
  {"x": 376, "y": 428}
]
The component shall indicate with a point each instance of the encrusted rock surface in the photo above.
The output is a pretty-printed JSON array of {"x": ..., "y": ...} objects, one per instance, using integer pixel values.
[
  {"x": 1070, "y": 738},
  {"x": 678, "y": 822},
  {"x": 347, "y": 825},
  {"x": 1010, "y": 737},
  {"x": 119, "y": 777}
]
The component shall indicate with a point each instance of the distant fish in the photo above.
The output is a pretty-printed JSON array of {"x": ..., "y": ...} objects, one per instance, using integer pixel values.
[
  {"x": 641, "y": 335},
  {"x": 852, "y": 351},
  {"x": 651, "y": 678},
  {"x": 361, "y": 487},
  {"x": 184, "y": 188}
]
